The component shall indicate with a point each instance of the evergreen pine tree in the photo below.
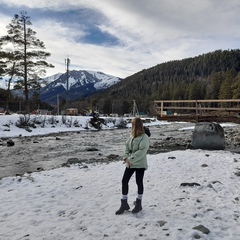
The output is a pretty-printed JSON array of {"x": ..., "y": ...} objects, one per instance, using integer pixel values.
[{"x": 27, "y": 54}]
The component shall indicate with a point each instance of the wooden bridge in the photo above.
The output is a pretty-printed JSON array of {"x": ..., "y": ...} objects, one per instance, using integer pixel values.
[{"x": 198, "y": 110}]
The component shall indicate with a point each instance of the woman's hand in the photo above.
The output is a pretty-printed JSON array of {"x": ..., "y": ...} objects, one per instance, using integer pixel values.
[{"x": 128, "y": 163}]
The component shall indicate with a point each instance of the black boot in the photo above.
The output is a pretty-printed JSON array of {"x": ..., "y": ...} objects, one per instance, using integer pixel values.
[
  {"x": 124, "y": 206},
  {"x": 138, "y": 206}
]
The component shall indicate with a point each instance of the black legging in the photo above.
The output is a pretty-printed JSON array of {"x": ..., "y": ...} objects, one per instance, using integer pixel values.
[{"x": 139, "y": 174}]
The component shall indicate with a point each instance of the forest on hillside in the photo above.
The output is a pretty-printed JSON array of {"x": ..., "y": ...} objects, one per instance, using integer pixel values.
[{"x": 214, "y": 75}]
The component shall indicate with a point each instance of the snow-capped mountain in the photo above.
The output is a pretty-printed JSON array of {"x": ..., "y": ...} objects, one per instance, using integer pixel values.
[
  {"x": 48, "y": 80},
  {"x": 75, "y": 84},
  {"x": 3, "y": 84}
]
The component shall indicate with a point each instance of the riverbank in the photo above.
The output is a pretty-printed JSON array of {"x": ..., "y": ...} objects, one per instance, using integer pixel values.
[{"x": 49, "y": 151}]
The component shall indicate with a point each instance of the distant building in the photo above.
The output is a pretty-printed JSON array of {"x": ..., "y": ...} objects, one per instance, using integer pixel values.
[
  {"x": 142, "y": 114},
  {"x": 71, "y": 111},
  {"x": 41, "y": 112},
  {"x": 138, "y": 114},
  {"x": 2, "y": 111}
]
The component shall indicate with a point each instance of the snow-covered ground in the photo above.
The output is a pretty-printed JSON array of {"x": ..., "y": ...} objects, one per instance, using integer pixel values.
[
  {"x": 46, "y": 124},
  {"x": 79, "y": 202}
]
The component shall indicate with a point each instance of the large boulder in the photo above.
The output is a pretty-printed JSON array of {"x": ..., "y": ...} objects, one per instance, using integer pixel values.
[{"x": 208, "y": 135}]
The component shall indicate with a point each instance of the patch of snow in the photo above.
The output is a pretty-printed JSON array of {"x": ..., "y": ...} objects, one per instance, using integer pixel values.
[{"x": 79, "y": 202}]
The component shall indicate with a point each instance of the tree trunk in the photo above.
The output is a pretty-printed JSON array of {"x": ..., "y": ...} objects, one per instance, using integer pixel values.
[
  {"x": 25, "y": 69},
  {"x": 8, "y": 89}
]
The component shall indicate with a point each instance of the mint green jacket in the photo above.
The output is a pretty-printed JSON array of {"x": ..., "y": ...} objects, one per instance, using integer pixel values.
[{"x": 136, "y": 151}]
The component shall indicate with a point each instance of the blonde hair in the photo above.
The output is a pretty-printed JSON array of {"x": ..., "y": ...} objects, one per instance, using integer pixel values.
[{"x": 137, "y": 127}]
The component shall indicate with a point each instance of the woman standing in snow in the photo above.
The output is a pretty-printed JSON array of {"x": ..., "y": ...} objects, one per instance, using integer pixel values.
[{"x": 135, "y": 157}]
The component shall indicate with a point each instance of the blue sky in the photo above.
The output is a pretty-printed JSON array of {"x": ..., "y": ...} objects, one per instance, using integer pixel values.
[{"x": 122, "y": 37}]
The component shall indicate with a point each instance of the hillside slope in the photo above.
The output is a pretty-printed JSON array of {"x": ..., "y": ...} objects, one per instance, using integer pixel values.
[{"x": 209, "y": 76}]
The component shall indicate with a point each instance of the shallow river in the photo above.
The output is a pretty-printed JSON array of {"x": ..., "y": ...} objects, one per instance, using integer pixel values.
[{"x": 47, "y": 152}]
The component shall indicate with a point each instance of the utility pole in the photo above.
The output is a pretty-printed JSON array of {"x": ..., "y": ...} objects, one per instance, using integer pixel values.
[
  {"x": 67, "y": 62},
  {"x": 57, "y": 104}
]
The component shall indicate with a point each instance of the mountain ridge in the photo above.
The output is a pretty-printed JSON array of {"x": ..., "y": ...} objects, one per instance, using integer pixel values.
[
  {"x": 76, "y": 84},
  {"x": 213, "y": 75}
]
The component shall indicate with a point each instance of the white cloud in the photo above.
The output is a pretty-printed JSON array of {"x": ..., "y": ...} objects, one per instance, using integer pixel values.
[{"x": 149, "y": 32}]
